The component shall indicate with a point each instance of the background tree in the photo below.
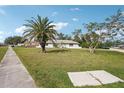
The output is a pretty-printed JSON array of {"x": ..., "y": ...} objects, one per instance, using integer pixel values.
[
  {"x": 13, "y": 40},
  {"x": 62, "y": 36},
  {"x": 77, "y": 35},
  {"x": 115, "y": 26},
  {"x": 40, "y": 29},
  {"x": 67, "y": 37},
  {"x": 8, "y": 40}
]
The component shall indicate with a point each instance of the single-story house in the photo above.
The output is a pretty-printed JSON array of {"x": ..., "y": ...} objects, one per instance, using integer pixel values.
[
  {"x": 61, "y": 44},
  {"x": 57, "y": 43}
]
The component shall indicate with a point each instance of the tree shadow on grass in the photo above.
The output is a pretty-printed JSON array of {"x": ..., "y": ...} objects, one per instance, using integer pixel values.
[{"x": 58, "y": 51}]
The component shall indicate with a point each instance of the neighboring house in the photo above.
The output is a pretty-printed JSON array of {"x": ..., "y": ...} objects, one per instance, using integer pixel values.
[
  {"x": 2, "y": 44},
  {"x": 57, "y": 43},
  {"x": 121, "y": 46}
]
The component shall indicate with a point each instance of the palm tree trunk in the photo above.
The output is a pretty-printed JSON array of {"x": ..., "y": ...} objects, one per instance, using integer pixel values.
[{"x": 42, "y": 44}]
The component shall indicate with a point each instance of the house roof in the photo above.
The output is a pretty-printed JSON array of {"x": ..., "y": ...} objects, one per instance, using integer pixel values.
[{"x": 62, "y": 42}]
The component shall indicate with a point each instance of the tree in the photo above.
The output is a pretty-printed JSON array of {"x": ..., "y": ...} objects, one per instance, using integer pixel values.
[
  {"x": 77, "y": 35},
  {"x": 40, "y": 29},
  {"x": 67, "y": 37},
  {"x": 95, "y": 34},
  {"x": 17, "y": 39},
  {"x": 115, "y": 25},
  {"x": 13, "y": 40},
  {"x": 8, "y": 40},
  {"x": 62, "y": 36}
]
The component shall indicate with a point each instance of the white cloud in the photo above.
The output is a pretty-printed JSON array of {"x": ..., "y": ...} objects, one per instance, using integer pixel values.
[
  {"x": 1, "y": 39},
  {"x": 2, "y": 12},
  {"x": 54, "y": 14},
  {"x": 60, "y": 25},
  {"x": 1, "y": 32},
  {"x": 1, "y": 36},
  {"x": 20, "y": 30},
  {"x": 75, "y": 19},
  {"x": 4, "y": 34},
  {"x": 74, "y": 9}
]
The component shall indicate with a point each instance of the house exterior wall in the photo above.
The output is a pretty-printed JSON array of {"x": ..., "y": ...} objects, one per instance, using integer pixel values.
[
  {"x": 69, "y": 46},
  {"x": 38, "y": 46},
  {"x": 61, "y": 46},
  {"x": 49, "y": 46},
  {"x": 20, "y": 44},
  {"x": 74, "y": 46}
]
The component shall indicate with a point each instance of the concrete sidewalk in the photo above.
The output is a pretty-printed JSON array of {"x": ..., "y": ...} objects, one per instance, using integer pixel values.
[{"x": 12, "y": 72}]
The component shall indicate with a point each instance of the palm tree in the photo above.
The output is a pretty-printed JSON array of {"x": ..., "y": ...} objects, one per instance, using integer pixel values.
[{"x": 40, "y": 29}]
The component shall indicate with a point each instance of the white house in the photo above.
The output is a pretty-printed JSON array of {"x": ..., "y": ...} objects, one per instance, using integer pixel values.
[
  {"x": 20, "y": 44},
  {"x": 62, "y": 44}
]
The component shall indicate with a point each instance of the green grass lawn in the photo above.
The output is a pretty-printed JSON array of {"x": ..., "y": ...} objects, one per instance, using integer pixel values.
[
  {"x": 2, "y": 52},
  {"x": 50, "y": 69}
]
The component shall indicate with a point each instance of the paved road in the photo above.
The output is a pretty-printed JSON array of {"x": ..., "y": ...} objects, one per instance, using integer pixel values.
[{"x": 12, "y": 72}]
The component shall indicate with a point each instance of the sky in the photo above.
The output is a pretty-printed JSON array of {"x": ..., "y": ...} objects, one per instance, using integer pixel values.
[{"x": 67, "y": 18}]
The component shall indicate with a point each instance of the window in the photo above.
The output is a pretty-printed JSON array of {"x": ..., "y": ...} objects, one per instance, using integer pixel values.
[
  {"x": 70, "y": 45},
  {"x": 46, "y": 44}
]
